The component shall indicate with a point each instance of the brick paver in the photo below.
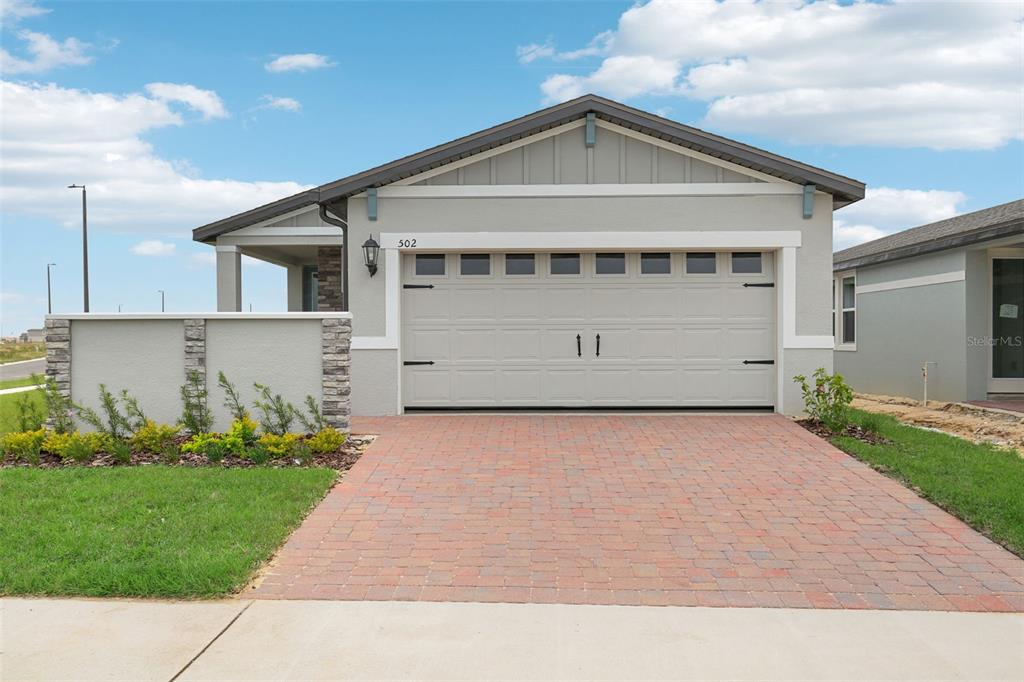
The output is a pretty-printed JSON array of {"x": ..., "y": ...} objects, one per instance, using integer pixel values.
[{"x": 723, "y": 510}]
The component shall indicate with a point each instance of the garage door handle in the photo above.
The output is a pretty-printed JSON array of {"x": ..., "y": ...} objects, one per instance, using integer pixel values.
[
  {"x": 758, "y": 362},
  {"x": 598, "y": 345},
  {"x": 418, "y": 362},
  {"x": 579, "y": 347}
]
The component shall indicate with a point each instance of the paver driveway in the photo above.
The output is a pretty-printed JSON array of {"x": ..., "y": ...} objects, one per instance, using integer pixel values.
[{"x": 737, "y": 510}]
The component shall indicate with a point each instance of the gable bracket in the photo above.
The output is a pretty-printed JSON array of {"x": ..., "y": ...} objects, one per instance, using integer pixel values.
[
  {"x": 808, "y": 201},
  {"x": 371, "y": 203},
  {"x": 591, "y": 135}
]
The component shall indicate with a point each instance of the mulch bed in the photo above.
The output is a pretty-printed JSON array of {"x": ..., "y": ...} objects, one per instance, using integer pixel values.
[
  {"x": 341, "y": 460},
  {"x": 852, "y": 430}
]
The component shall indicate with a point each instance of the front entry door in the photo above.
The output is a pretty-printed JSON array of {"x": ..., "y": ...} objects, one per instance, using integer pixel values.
[{"x": 1007, "y": 326}]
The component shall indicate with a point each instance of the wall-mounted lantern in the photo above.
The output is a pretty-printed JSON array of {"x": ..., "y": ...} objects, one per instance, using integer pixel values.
[{"x": 370, "y": 251}]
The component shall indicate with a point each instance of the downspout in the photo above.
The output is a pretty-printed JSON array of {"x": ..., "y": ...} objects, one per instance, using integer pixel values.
[{"x": 334, "y": 220}]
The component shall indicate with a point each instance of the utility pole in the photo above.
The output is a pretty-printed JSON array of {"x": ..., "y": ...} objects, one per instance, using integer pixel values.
[
  {"x": 49, "y": 290},
  {"x": 85, "y": 248},
  {"x": 161, "y": 299}
]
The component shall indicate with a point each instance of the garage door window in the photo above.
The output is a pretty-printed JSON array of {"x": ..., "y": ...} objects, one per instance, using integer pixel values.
[
  {"x": 565, "y": 264},
  {"x": 519, "y": 264},
  {"x": 700, "y": 263},
  {"x": 610, "y": 264},
  {"x": 475, "y": 264},
  {"x": 655, "y": 264},
  {"x": 430, "y": 264},
  {"x": 746, "y": 263}
]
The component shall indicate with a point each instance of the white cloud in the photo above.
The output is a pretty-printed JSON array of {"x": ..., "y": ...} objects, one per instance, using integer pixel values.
[
  {"x": 153, "y": 247},
  {"x": 13, "y": 11},
  {"x": 903, "y": 73},
  {"x": 280, "y": 103},
  {"x": 885, "y": 210},
  {"x": 53, "y": 136},
  {"x": 298, "y": 62},
  {"x": 45, "y": 54},
  {"x": 206, "y": 102},
  {"x": 12, "y": 297},
  {"x": 534, "y": 51}
]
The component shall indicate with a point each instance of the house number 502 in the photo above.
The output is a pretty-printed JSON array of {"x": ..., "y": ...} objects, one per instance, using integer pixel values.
[{"x": 406, "y": 243}]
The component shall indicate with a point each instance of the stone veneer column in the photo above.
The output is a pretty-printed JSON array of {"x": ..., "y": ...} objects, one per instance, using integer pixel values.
[
  {"x": 336, "y": 338},
  {"x": 58, "y": 354},
  {"x": 328, "y": 271},
  {"x": 195, "y": 347}
]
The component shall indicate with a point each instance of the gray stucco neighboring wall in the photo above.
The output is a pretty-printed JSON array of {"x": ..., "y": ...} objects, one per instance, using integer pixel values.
[{"x": 898, "y": 330}]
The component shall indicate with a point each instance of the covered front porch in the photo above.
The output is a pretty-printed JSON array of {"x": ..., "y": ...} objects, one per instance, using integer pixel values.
[{"x": 307, "y": 246}]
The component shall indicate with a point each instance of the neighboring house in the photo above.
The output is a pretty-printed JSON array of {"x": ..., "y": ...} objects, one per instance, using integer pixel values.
[
  {"x": 587, "y": 255},
  {"x": 950, "y": 294},
  {"x": 33, "y": 336}
]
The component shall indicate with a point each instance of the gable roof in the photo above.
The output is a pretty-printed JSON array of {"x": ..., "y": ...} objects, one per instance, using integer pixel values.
[
  {"x": 988, "y": 223},
  {"x": 843, "y": 189}
]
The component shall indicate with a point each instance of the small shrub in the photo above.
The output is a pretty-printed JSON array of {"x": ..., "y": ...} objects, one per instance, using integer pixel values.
[
  {"x": 152, "y": 437},
  {"x": 315, "y": 421},
  {"x": 113, "y": 422},
  {"x": 232, "y": 399},
  {"x": 326, "y": 440},
  {"x": 170, "y": 454},
  {"x": 195, "y": 414},
  {"x": 135, "y": 418},
  {"x": 79, "y": 449},
  {"x": 258, "y": 454},
  {"x": 827, "y": 400},
  {"x": 302, "y": 454},
  {"x": 24, "y": 445},
  {"x": 244, "y": 429},
  {"x": 121, "y": 452},
  {"x": 199, "y": 443},
  {"x": 29, "y": 415},
  {"x": 67, "y": 445},
  {"x": 279, "y": 445},
  {"x": 59, "y": 407},
  {"x": 276, "y": 413}
]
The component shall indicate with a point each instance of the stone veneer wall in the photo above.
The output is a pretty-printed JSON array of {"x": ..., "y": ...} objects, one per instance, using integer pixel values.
[
  {"x": 335, "y": 340},
  {"x": 328, "y": 269}
]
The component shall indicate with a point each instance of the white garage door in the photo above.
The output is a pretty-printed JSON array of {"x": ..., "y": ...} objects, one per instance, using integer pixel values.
[{"x": 588, "y": 329}]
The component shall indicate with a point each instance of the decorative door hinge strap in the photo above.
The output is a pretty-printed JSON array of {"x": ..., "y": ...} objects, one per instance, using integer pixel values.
[
  {"x": 766, "y": 285},
  {"x": 417, "y": 286},
  {"x": 758, "y": 362},
  {"x": 418, "y": 362}
]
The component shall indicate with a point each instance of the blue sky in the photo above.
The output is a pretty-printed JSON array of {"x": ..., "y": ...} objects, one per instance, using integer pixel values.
[{"x": 174, "y": 114}]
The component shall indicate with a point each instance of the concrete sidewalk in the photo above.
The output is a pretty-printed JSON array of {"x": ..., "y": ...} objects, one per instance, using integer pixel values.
[{"x": 274, "y": 640}]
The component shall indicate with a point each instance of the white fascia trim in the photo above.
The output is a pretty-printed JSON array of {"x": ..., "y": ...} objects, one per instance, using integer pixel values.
[
  {"x": 923, "y": 281},
  {"x": 588, "y": 241},
  {"x": 692, "y": 153},
  {"x": 201, "y": 316},
  {"x": 469, "y": 160},
  {"x": 320, "y": 231},
  {"x": 790, "y": 339},
  {"x": 332, "y": 239},
  {"x": 706, "y": 189}
]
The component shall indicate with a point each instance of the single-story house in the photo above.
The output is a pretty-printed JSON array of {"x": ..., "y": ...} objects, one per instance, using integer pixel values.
[
  {"x": 32, "y": 336},
  {"x": 588, "y": 255},
  {"x": 948, "y": 295}
]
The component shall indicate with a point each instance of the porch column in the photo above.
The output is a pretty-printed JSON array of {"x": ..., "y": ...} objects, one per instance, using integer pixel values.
[
  {"x": 328, "y": 265},
  {"x": 229, "y": 278}
]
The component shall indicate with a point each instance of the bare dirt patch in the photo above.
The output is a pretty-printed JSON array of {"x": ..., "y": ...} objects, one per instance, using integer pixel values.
[{"x": 977, "y": 424}]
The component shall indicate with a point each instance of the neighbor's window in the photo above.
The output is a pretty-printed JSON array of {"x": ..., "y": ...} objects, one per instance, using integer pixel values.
[
  {"x": 475, "y": 264},
  {"x": 746, "y": 262},
  {"x": 848, "y": 324},
  {"x": 519, "y": 264},
  {"x": 610, "y": 263},
  {"x": 565, "y": 264},
  {"x": 698, "y": 263},
  {"x": 430, "y": 264},
  {"x": 655, "y": 263}
]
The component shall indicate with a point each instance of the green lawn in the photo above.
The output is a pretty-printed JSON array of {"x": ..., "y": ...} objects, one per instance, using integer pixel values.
[
  {"x": 15, "y": 383},
  {"x": 9, "y": 408},
  {"x": 981, "y": 484},
  {"x": 150, "y": 531}
]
